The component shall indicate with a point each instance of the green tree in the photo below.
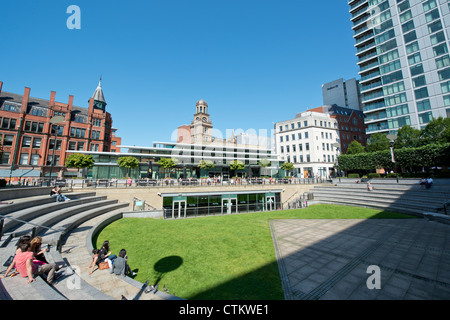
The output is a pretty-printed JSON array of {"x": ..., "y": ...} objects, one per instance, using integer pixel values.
[
  {"x": 436, "y": 131},
  {"x": 287, "y": 166},
  {"x": 264, "y": 163},
  {"x": 237, "y": 165},
  {"x": 355, "y": 147},
  {"x": 167, "y": 163},
  {"x": 378, "y": 142},
  {"x": 128, "y": 163},
  {"x": 408, "y": 137},
  {"x": 206, "y": 164},
  {"x": 79, "y": 161}
]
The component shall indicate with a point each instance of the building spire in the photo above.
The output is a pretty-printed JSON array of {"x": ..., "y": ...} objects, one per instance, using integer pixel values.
[{"x": 98, "y": 94}]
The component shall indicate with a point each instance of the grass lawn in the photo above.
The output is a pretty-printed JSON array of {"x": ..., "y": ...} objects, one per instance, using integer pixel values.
[{"x": 229, "y": 257}]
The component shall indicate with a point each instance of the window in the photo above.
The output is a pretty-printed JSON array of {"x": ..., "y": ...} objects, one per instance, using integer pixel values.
[
  {"x": 423, "y": 105},
  {"x": 397, "y": 111},
  {"x": 399, "y": 122},
  {"x": 413, "y": 47},
  {"x": 23, "y": 159},
  {"x": 405, "y": 16},
  {"x": 408, "y": 26},
  {"x": 80, "y": 146},
  {"x": 5, "y": 158},
  {"x": 300, "y": 136},
  {"x": 445, "y": 87},
  {"x": 432, "y": 15},
  {"x": 72, "y": 145},
  {"x": 414, "y": 58},
  {"x": 428, "y": 5},
  {"x": 34, "y": 160},
  {"x": 8, "y": 140},
  {"x": 410, "y": 36},
  {"x": 440, "y": 50},
  {"x": 443, "y": 62},
  {"x": 444, "y": 74},
  {"x": 419, "y": 81},
  {"x": 417, "y": 69},
  {"x": 421, "y": 93},
  {"x": 98, "y": 122},
  {"x": 425, "y": 118},
  {"x": 437, "y": 38},
  {"x": 435, "y": 26},
  {"x": 26, "y": 142},
  {"x": 306, "y": 135},
  {"x": 37, "y": 142},
  {"x": 307, "y": 146}
]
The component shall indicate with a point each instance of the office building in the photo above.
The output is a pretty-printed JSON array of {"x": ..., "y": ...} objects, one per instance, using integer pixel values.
[
  {"x": 402, "y": 52},
  {"x": 309, "y": 142},
  {"x": 342, "y": 93}
]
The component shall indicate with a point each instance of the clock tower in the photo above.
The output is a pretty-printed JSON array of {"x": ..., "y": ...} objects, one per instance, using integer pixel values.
[{"x": 201, "y": 126}]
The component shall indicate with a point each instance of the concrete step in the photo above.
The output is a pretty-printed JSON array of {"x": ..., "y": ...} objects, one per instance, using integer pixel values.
[
  {"x": 31, "y": 212},
  {"x": 66, "y": 225},
  {"x": 383, "y": 202},
  {"x": 23, "y": 203},
  {"x": 423, "y": 199},
  {"x": 48, "y": 219}
]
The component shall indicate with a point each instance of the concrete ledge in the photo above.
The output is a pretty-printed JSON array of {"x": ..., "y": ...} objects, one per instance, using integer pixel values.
[{"x": 9, "y": 193}]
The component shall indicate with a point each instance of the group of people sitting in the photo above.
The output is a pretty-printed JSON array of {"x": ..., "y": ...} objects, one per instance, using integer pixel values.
[
  {"x": 116, "y": 264},
  {"x": 428, "y": 182},
  {"x": 29, "y": 261}
]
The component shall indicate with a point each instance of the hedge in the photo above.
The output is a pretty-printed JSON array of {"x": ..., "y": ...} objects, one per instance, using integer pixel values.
[{"x": 426, "y": 156}]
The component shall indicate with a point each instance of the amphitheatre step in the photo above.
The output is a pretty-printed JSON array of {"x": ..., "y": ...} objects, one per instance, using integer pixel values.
[
  {"x": 380, "y": 202},
  {"x": 11, "y": 193},
  {"x": 33, "y": 211},
  {"x": 66, "y": 225},
  {"x": 48, "y": 219},
  {"x": 437, "y": 202},
  {"x": 23, "y": 203}
]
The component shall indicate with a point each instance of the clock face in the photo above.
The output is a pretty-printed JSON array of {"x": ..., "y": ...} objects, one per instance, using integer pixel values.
[
  {"x": 204, "y": 119},
  {"x": 197, "y": 119}
]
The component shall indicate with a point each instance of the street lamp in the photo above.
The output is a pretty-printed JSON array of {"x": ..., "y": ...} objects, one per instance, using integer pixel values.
[
  {"x": 55, "y": 120},
  {"x": 392, "y": 138}
]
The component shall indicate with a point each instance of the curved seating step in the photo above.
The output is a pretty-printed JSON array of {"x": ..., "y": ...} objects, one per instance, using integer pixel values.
[
  {"x": 32, "y": 212},
  {"x": 49, "y": 219},
  {"x": 366, "y": 201},
  {"x": 436, "y": 202},
  {"x": 23, "y": 203},
  {"x": 66, "y": 225},
  {"x": 423, "y": 192}
]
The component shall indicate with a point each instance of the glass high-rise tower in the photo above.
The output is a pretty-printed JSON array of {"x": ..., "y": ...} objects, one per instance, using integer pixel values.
[{"x": 402, "y": 49}]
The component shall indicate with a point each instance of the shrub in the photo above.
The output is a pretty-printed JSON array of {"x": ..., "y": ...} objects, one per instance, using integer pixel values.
[
  {"x": 353, "y": 175},
  {"x": 374, "y": 175}
]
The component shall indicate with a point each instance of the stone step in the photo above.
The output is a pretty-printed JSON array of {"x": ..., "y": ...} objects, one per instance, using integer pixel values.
[{"x": 31, "y": 212}]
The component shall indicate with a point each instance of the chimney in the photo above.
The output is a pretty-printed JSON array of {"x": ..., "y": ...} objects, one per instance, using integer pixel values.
[
  {"x": 91, "y": 106},
  {"x": 25, "y": 99},
  {"x": 1, "y": 85},
  {"x": 52, "y": 98},
  {"x": 70, "y": 103}
]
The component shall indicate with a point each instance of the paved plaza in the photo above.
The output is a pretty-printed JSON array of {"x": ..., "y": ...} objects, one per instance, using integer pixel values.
[{"x": 329, "y": 259}]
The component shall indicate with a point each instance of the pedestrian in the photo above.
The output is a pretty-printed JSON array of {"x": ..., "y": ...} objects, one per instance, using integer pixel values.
[{"x": 120, "y": 265}]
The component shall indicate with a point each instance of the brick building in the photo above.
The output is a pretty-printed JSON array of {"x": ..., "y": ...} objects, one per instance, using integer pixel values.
[
  {"x": 350, "y": 124},
  {"x": 28, "y": 137}
]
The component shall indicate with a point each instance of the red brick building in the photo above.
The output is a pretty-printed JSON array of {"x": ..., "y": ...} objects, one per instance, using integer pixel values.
[
  {"x": 28, "y": 137},
  {"x": 350, "y": 122}
]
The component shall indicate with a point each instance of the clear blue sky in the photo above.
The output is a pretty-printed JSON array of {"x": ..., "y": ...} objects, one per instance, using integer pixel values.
[{"x": 254, "y": 61}]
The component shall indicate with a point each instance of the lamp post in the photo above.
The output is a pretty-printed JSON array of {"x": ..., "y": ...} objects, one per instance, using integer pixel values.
[
  {"x": 392, "y": 138},
  {"x": 55, "y": 120}
]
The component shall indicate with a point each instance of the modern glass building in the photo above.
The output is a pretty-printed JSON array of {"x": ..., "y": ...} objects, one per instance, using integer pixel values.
[
  {"x": 403, "y": 55},
  {"x": 187, "y": 158},
  {"x": 183, "y": 205}
]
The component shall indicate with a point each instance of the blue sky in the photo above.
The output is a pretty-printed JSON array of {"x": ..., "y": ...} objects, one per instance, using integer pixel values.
[{"x": 254, "y": 61}]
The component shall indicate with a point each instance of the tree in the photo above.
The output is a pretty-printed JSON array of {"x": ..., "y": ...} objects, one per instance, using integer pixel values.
[
  {"x": 355, "y": 147},
  {"x": 408, "y": 137},
  {"x": 264, "y": 163},
  {"x": 237, "y": 165},
  {"x": 287, "y": 166},
  {"x": 378, "y": 142},
  {"x": 128, "y": 163},
  {"x": 167, "y": 163},
  {"x": 436, "y": 131},
  {"x": 206, "y": 164},
  {"x": 79, "y": 161}
]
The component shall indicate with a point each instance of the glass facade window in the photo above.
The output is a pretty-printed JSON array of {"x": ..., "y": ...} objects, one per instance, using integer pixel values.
[
  {"x": 425, "y": 118},
  {"x": 423, "y": 105}
]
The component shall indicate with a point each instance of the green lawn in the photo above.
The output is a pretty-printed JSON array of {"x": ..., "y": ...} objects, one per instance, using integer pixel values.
[{"x": 215, "y": 258}]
